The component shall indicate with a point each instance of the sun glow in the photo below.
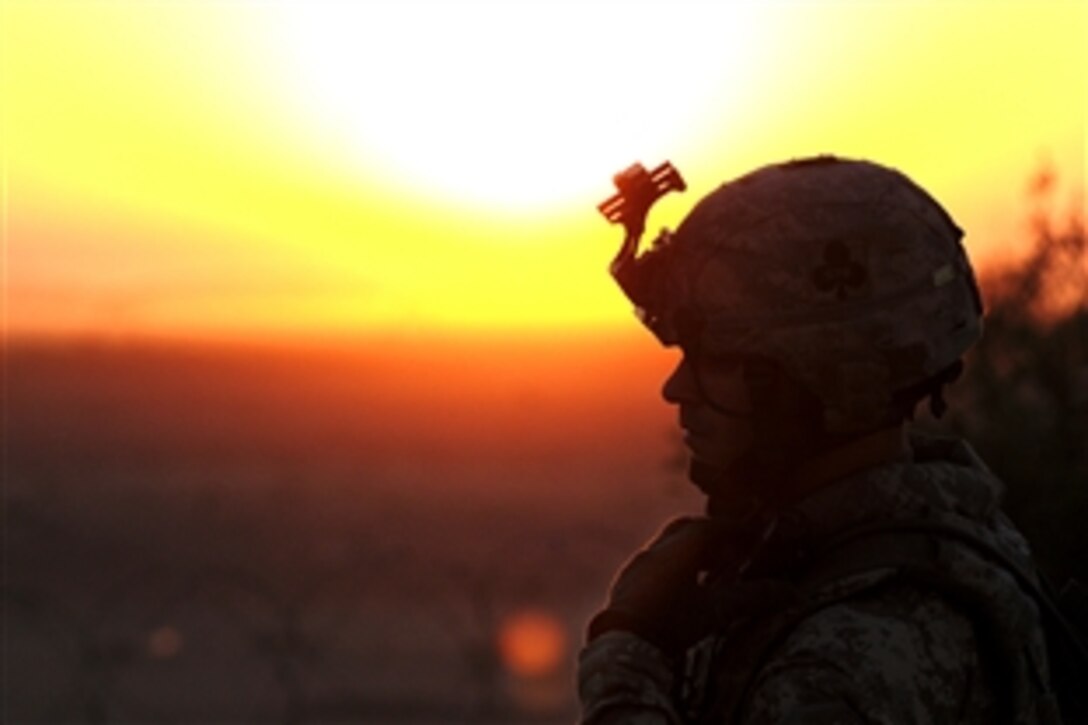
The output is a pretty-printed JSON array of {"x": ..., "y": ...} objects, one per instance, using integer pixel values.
[
  {"x": 532, "y": 643},
  {"x": 289, "y": 167},
  {"x": 515, "y": 103}
]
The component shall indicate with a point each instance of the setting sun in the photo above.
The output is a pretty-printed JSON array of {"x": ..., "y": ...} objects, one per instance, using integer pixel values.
[{"x": 507, "y": 103}]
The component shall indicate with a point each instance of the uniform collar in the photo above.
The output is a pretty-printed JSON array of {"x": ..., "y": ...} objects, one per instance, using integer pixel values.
[{"x": 886, "y": 446}]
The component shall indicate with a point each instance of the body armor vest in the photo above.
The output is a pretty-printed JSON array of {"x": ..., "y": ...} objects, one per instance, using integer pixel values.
[{"x": 933, "y": 525}]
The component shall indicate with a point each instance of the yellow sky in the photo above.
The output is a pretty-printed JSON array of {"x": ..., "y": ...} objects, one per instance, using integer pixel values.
[{"x": 252, "y": 167}]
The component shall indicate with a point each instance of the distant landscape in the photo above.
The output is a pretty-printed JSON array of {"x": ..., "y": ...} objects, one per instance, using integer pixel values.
[{"x": 319, "y": 532}]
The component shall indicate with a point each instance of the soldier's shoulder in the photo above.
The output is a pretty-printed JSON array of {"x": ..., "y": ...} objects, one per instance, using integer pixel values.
[{"x": 894, "y": 653}]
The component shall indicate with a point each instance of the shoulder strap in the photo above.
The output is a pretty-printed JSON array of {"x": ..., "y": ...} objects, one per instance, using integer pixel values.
[
  {"x": 911, "y": 548},
  {"x": 878, "y": 544}
]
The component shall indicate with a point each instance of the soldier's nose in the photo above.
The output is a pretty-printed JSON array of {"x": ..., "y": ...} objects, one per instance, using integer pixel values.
[{"x": 680, "y": 386}]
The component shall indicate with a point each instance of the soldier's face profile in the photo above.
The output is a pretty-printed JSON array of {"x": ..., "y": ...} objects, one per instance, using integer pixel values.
[{"x": 715, "y": 409}]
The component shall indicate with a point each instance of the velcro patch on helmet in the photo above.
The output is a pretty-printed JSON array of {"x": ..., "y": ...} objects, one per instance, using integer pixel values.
[{"x": 944, "y": 275}]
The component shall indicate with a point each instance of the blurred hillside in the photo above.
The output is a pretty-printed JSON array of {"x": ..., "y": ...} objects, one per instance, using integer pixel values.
[{"x": 308, "y": 533}]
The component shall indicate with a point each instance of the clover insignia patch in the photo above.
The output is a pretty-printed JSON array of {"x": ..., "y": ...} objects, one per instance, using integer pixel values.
[{"x": 839, "y": 273}]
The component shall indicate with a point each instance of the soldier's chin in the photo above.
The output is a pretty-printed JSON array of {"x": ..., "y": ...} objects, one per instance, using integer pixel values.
[
  {"x": 740, "y": 478},
  {"x": 707, "y": 477}
]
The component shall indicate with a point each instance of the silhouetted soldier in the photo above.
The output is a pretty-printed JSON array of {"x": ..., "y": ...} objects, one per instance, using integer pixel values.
[{"x": 848, "y": 570}]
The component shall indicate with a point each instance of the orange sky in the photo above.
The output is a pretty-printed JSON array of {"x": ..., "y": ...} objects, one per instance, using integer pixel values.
[{"x": 254, "y": 167}]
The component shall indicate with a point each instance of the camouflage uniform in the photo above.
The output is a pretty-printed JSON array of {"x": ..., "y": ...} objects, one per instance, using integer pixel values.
[{"x": 874, "y": 644}]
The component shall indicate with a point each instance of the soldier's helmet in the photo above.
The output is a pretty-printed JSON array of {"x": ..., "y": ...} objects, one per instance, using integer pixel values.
[{"x": 847, "y": 275}]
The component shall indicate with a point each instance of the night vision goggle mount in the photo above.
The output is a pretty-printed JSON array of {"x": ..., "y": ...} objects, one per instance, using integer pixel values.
[{"x": 636, "y": 191}]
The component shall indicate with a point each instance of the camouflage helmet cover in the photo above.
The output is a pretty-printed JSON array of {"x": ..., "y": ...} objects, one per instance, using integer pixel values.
[{"x": 845, "y": 273}]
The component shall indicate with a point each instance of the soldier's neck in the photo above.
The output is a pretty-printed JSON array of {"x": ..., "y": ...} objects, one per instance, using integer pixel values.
[
  {"x": 750, "y": 489},
  {"x": 889, "y": 445}
]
